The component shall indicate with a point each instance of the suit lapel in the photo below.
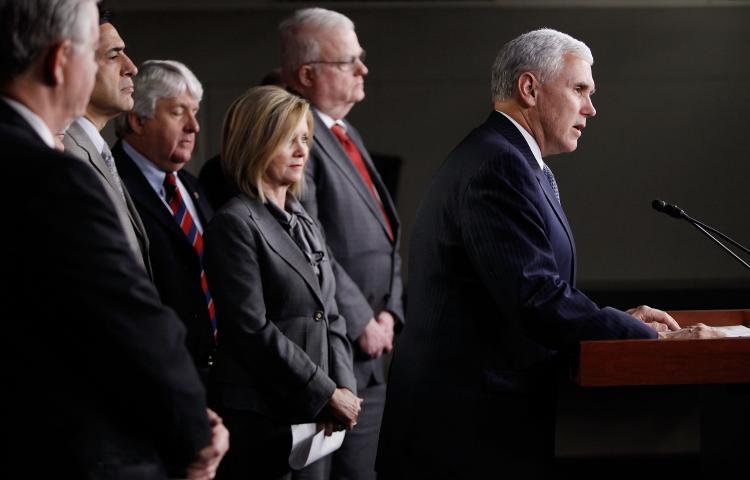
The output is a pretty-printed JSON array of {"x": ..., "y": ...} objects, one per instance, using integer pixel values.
[
  {"x": 201, "y": 207},
  {"x": 81, "y": 138},
  {"x": 144, "y": 195},
  {"x": 511, "y": 133},
  {"x": 331, "y": 149},
  {"x": 385, "y": 197},
  {"x": 281, "y": 243}
]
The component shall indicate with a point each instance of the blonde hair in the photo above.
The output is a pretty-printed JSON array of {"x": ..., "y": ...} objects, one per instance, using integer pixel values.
[{"x": 257, "y": 125}]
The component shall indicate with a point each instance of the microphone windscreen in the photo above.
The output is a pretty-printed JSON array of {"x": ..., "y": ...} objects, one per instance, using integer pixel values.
[{"x": 659, "y": 205}]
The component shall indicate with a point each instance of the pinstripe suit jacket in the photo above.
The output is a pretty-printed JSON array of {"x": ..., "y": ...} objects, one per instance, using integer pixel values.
[
  {"x": 492, "y": 304},
  {"x": 369, "y": 278}
]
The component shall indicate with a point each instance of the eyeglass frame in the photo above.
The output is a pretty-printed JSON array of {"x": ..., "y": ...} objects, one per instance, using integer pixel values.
[{"x": 342, "y": 64}]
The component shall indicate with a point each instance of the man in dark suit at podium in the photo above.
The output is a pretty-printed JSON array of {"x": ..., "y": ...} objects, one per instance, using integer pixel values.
[{"x": 493, "y": 306}]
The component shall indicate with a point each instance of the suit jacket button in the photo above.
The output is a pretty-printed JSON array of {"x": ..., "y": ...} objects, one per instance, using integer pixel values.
[{"x": 318, "y": 316}]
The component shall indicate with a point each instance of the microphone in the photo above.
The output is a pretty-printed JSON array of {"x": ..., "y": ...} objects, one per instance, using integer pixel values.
[
  {"x": 671, "y": 210},
  {"x": 676, "y": 212}
]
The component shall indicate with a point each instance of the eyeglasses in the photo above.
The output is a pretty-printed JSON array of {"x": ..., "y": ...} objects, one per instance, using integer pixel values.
[{"x": 344, "y": 65}]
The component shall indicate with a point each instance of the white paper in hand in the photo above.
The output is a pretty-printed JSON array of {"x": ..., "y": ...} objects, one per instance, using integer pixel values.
[{"x": 309, "y": 445}]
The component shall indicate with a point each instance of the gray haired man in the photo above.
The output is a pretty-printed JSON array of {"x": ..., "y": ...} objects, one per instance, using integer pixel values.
[
  {"x": 157, "y": 140},
  {"x": 323, "y": 61},
  {"x": 493, "y": 306},
  {"x": 97, "y": 383}
]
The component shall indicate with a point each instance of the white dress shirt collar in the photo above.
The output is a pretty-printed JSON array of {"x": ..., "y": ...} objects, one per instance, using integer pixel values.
[
  {"x": 535, "y": 150},
  {"x": 155, "y": 178},
  {"x": 328, "y": 121},
  {"x": 91, "y": 130}
]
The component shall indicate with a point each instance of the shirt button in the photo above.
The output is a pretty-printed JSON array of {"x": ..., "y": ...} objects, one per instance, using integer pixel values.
[{"x": 318, "y": 316}]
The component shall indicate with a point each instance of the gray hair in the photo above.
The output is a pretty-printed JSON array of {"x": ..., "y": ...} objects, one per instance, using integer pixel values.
[
  {"x": 540, "y": 52},
  {"x": 29, "y": 27},
  {"x": 299, "y": 35},
  {"x": 158, "y": 79}
]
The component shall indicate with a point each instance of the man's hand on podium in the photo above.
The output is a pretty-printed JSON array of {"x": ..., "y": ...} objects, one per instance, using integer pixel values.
[
  {"x": 699, "y": 330},
  {"x": 657, "y": 319}
]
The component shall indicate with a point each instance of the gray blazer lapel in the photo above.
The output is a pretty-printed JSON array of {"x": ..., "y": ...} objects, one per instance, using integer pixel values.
[
  {"x": 82, "y": 140},
  {"x": 332, "y": 148},
  {"x": 135, "y": 219},
  {"x": 385, "y": 197},
  {"x": 78, "y": 143},
  {"x": 281, "y": 243},
  {"x": 79, "y": 136}
]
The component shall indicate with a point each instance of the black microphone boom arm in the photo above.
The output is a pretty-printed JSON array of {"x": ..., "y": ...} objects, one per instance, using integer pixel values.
[{"x": 676, "y": 212}]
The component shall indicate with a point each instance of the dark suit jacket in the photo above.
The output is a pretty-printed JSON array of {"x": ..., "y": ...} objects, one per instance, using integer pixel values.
[
  {"x": 78, "y": 144},
  {"x": 492, "y": 304},
  {"x": 215, "y": 184},
  {"x": 96, "y": 380},
  {"x": 282, "y": 344},
  {"x": 175, "y": 263},
  {"x": 370, "y": 278}
]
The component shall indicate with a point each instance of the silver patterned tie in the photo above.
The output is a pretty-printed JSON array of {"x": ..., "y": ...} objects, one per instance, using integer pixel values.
[
  {"x": 552, "y": 183},
  {"x": 109, "y": 161}
]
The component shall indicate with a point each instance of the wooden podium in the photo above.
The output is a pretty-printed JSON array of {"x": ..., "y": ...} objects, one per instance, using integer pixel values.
[
  {"x": 669, "y": 401},
  {"x": 670, "y": 362}
]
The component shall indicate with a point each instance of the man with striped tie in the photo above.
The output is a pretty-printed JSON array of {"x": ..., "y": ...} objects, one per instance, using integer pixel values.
[{"x": 156, "y": 141}]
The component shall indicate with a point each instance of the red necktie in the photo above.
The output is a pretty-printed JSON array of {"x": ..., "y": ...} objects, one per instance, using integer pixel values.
[
  {"x": 353, "y": 152},
  {"x": 188, "y": 226}
]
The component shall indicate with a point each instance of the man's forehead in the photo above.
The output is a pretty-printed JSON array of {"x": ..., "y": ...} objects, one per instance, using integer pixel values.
[
  {"x": 109, "y": 38},
  {"x": 184, "y": 99},
  {"x": 338, "y": 38}
]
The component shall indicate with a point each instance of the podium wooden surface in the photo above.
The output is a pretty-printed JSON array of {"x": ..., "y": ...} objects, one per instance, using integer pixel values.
[{"x": 670, "y": 362}]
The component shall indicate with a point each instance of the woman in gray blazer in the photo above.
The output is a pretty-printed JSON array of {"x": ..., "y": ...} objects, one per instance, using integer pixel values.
[{"x": 283, "y": 357}]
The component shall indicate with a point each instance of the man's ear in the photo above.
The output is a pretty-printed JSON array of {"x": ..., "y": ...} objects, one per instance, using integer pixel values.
[
  {"x": 528, "y": 88},
  {"x": 135, "y": 122},
  {"x": 306, "y": 75},
  {"x": 57, "y": 57}
]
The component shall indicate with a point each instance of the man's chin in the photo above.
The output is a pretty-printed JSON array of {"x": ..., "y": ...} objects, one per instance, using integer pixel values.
[
  {"x": 179, "y": 161},
  {"x": 358, "y": 96},
  {"x": 126, "y": 104}
]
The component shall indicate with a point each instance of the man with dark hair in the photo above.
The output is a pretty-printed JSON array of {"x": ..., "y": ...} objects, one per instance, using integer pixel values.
[
  {"x": 96, "y": 380},
  {"x": 112, "y": 95}
]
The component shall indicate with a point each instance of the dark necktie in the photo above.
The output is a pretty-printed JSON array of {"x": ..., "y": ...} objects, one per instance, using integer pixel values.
[
  {"x": 356, "y": 158},
  {"x": 187, "y": 225},
  {"x": 552, "y": 183}
]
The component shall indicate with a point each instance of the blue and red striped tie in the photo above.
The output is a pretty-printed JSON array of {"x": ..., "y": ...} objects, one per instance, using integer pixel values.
[{"x": 187, "y": 224}]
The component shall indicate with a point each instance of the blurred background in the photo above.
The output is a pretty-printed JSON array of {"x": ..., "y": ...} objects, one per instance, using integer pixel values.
[{"x": 673, "y": 121}]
